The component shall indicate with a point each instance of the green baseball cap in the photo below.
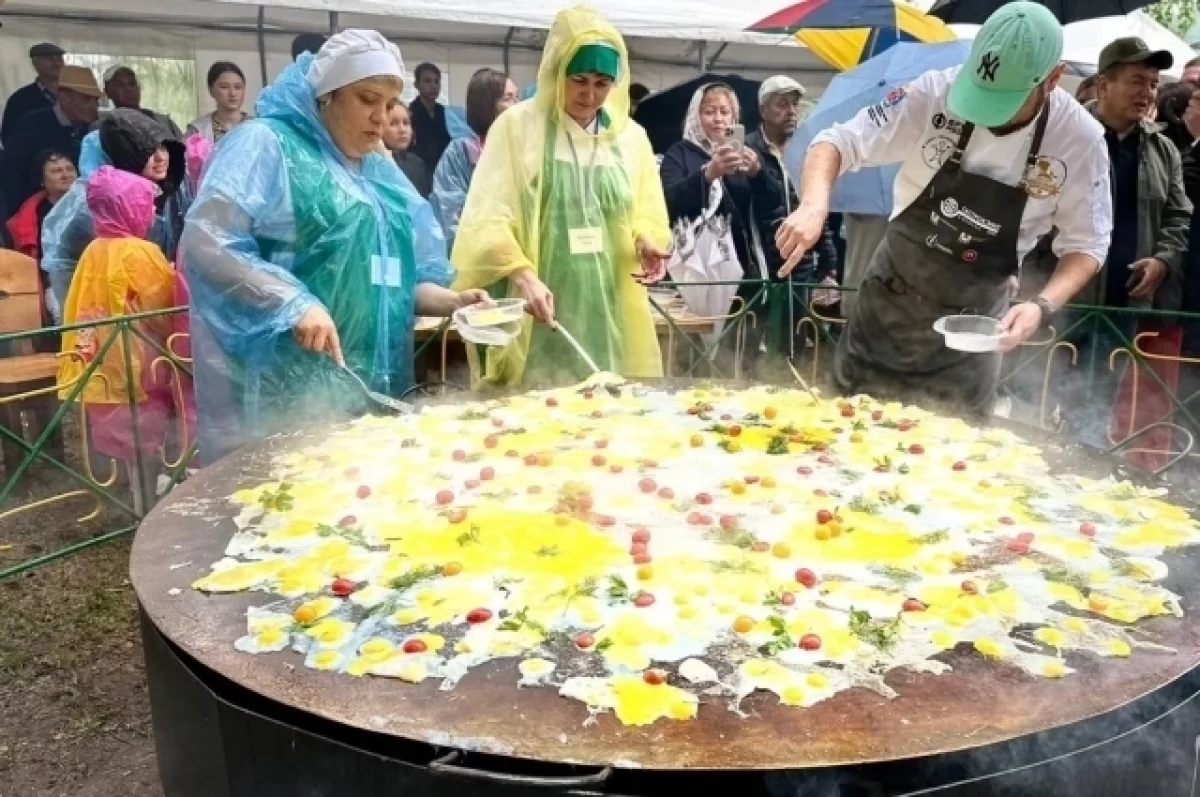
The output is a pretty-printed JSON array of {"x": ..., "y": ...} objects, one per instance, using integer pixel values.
[
  {"x": 1014, "y": 51},
  {"x": 1132, "y": 50}
]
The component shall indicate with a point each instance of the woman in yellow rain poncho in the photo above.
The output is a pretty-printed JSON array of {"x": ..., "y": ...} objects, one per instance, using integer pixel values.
[{"x": 566, "y": 211}]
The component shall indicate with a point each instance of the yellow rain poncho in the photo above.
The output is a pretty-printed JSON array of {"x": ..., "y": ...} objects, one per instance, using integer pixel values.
[{"x": 543, "y": 187}]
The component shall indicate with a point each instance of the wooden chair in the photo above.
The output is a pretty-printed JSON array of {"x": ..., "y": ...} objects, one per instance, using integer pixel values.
[{"x": 23, "y": 370}]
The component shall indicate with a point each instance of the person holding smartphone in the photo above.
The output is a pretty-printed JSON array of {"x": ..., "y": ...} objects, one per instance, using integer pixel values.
[{"x": 713, "y": 151}]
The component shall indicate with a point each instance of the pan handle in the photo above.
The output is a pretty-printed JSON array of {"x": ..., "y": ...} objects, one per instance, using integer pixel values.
[
  {"x": 1187, "y": 449},
  {"x": 448, "y": 765}
]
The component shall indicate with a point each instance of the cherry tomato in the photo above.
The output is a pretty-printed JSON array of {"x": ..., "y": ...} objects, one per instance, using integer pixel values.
[
  {"x": 585, "y": 503},
  {"x": 638, "y": 548},
  {"x": 877, "y": 416},
  {"x": 960, "y": 465},
  {"x": 913, "y": 605},
  {"x": 904, "y": 425},
  {"x": 487, "y": 474},
  {"x": 734, "y": 430},
  {"x": 304, "y": 614},
  {"x": 727, "y": 417},
  {"x": 585, "y": 641},
  {"x": 970, "y": 588},
  {"x": 599, "y": 461},
  {"x": 552, "y": 402},
  {"x": 497, "y": 422},
  {"x": 1026, "y": 537},
  {"x": 606, "y": 521},
  {"x": 847, "y": 412},
  {"x": 476, "y": 616},
  {"x": 824, "y": 516},
  {"x": 729, "y": 522},
  {"x": 1007, "y": 521},
  {"x": 1087, "y": 529},
  {"x": 916, "y": 448},
  {"x": 1016, "y": 546},
  {"x": 459, "y": 455},
  {"x": 348, "y": 520},
  {"x": 342, "y": 587},
  {"x": 825, "y": 459},
  {"x": 451, "y": 569},
  {"x": 819, "y": 447},
  {"x": 530, "y": 460},
  {"x": 810, "y": 642},
  {"x": 444, "y": 497},
  {"x": 457, "y": 516},
  {"x": 641, "y": 535},
  {"x": 804, "y": 470},
  {"x": 643, "y": 600},
  {"x": 471, "y": 484},
  {"x": 760, "y": 546},
  {"x": 647, "y": 485},
  {"x": 363, "y": 492},
  {"x": 491, "y": 441},
  {"x": 415, "y": 646},
  {"x": 615, "y": 468},
  {"x": 704, "y": 499},
  {"x": 666, "y": 493},
  {"x": 654, "y": 677},
  {"x": 642, "y": 559},
  {"x": 806, "y": 577},
  {"x": 787, "y": 599},
  {"x": 601, "y": 444}
]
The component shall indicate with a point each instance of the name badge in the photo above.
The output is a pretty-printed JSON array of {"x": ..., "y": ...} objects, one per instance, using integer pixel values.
[
  {"x": 587, "y": 240},
  {"x": 385, "y": 273}
]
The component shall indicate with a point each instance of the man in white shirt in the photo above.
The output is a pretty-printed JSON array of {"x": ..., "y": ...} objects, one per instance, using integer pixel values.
[{"x": 993, "y": 155}]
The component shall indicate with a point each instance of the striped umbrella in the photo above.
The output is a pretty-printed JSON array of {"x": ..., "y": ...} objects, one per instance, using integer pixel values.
[{"x": 847, "y": 48}]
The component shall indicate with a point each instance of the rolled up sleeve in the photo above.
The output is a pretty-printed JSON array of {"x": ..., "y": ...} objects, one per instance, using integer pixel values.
[
  {"x": 886, "y": 132},
  {"x": 1083, "y": 215}
]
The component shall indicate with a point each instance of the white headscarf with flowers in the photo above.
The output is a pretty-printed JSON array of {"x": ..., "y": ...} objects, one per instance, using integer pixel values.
[{"x": 693, "y": 129}]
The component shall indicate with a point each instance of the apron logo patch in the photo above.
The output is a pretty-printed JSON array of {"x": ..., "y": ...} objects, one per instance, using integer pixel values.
[
  {"x": 952, "y": 210},
  {"x": 1045, "y": 178},
  {"x": 936, "y": 151},
  {"x": 970, "y": 255},
  {"x": 943, "y": 122},
  {"x": 988, "y": 66}
]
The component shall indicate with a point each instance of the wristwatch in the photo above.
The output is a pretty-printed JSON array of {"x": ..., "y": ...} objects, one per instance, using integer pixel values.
[{"x": 1049, "y": 308}]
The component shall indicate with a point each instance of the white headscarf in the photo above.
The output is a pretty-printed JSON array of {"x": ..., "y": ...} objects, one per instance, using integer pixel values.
[
  {"x": 354, "y": 55},
  {"x": 693, "y": 130}
]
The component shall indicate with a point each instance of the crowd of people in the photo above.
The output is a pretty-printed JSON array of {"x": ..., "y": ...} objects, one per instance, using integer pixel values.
[{"x": 309, "y": 234}]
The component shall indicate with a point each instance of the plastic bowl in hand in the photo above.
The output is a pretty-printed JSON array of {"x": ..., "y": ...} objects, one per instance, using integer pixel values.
[
  {"x": 503, "y": 311},
  {"x": 970, "y": 333}
]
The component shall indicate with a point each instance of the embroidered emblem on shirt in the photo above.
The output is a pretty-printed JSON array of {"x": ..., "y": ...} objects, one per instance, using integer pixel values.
[
  {"x": 1045, "y": 178},
  {"x": 988, "y": 66},
  {"x": 943, "y": 122},
  {"x": 936, "y": 151}
]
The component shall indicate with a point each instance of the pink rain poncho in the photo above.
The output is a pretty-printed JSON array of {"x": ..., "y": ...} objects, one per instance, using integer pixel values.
[{"x": 120, "y": 273}]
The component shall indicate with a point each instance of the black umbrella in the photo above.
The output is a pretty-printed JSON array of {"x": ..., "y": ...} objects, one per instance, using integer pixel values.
[
  {"x": 663, "y": 114},
  {"x": 976, "y": 12}
]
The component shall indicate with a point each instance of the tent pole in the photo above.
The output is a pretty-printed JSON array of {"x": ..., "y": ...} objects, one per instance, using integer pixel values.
[
  {"x": 703, "y": 57},
  {"x": 712, "y": 62},
  {"x": 508, "y": 37},
  {"x": 333, "y": 23},
  {"x": 262, "y": 42}
]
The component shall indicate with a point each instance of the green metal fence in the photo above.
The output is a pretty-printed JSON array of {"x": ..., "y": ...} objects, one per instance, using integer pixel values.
[{"x": 770, "y": 323}]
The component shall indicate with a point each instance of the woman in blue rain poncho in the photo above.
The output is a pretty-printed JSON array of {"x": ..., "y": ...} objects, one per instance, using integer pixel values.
[
  {"x": 489, "y": 94},
  {"x": 566, "y": 210},
  {"x": 305, "y": 250},
  {"x": 133, "y": 142}
]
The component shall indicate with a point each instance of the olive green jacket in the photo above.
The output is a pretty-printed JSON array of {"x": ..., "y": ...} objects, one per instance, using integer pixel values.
[{"x": 1164, "y": 220}]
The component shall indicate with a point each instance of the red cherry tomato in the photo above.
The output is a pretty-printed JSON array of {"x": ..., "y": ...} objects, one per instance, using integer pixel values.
[
  {"x": 825, "y": 459},
  {"x": 824, "y": 516},
  {"x": 445, "y": 497},
  {"x": 1007, "y": 521},
  {"x": 606, "y": 521},
  {"x": 877, "y": 416},
  {"x": 476, "y": 616},
  {"x": 806, "y": 577},
  {"x": 459, "y": 455},
  {"x": 552, "y": 402},
  {"x": 638, "y": 548},
  {"x": 642, "y": 559},
  {"x": 729, "y": 522},
  {"x": 1016, "y": 546},
  {"x": 1087, "y": 529},
  {"x": 457, "y": 516},
  {"x": 363, "y": 492},
  {"x": 601, "y": 444},
  {"x": 913, "y": 605},
  {"x": 916, "y": 448},
  {"x": 615, "y": 468},
  {"x": 487, "y": 474},
  {"x": 530, "y": 460},
  {"x": 666, "y": 493},
  {"x": 810, "y": 642},
  {"x": 904, "y": 426},
  {"x": 415, "y": 646},
  {"x": 348, "y": 520},
  {"x": 585, "y": 641},
  {"x": 471, "y": 484},
  {"x": 599, "y": 461},
  {"x": 491, "y": 441},
  {"x": 804, "y": 470},
  {"x": 969, "y": 588},
  {"x": 819, "y": 447},
  {"x": 847, "y": 412},
  {"x": 497, "y": 422},
  {"x": 735, "y": 430},
  {"x": 704, "y": 499},
  {"x": 647, "y": 485},
  {"x": 585, "y": 503},
  {"x": 342, "y": 587},
  {"x": 643, "y": 600},
  {"x": 787, "y": 599},
  {"x": 641, "y": 535},
  {"x": 654, "y": 677},
  {"x": 1026, "y": 537},
  {"x": 960, "y": 465}
]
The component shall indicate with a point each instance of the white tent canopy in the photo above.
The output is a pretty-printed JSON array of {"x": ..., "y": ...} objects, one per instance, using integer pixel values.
[{"x": 668, "y": 39}]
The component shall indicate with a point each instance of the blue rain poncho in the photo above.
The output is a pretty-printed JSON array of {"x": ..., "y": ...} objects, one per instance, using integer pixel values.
[
  {"x": 452, "y": 182},
  {"x": 67, "y": 229},
  {"x": 284, "y": 221}
]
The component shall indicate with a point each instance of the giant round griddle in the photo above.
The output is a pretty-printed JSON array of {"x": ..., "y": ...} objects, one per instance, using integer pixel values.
[{"x": 978, "y": 703}]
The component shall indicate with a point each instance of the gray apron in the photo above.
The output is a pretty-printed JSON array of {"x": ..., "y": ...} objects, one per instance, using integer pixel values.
[{"x": 951, "y": 251}]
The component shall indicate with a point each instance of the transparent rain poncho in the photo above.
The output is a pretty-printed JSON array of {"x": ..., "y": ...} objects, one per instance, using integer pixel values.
[
  {"x": 452, "y": 183},
  {"x": 284, "y": 221},
  {"x": 67, "y": 229},
  {"x": 542, "y": 178}
]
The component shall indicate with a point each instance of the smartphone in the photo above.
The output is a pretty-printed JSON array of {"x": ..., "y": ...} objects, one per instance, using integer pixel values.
[{"x": 737, "y": 136}]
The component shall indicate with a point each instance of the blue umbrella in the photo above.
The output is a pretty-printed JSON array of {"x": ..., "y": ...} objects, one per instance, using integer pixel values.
[{"x": 869, "y": 190}]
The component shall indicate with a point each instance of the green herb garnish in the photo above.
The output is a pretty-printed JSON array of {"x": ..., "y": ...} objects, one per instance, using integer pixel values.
[
  {"x": 468, "y": 537},
  {"x": 618, "y": 590},
  {"x": 996, "y": 586},
  {"x": 880, "y": 633},
  {"x": 413, "y": 577},
  {"x": 279, "y": 500},
  {"x": 547, "y": 551},
  {"x": 781, "y": 639},
  {"x": 899, "y": 575},
  {"x": 778, "y": 445},
  {"x": 863, "y": 504},
  {"x": 934, "y": 537},
  {"x": 1063, "y": 575},
  {"x": 913, "y": 509}
]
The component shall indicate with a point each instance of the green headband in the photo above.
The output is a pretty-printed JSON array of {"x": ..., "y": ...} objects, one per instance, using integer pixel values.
[{"x": 595, "y": 59}]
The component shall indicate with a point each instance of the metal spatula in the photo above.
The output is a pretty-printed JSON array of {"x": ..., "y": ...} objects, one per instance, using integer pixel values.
[
  {"x": 803, "y": 384},
  {"x": 387, "y": 402},
  {"x": 575, "y": 345}
]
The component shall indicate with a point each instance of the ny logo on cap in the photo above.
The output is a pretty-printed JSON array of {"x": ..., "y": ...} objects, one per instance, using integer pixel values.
[{"x": 988, "y": 66}]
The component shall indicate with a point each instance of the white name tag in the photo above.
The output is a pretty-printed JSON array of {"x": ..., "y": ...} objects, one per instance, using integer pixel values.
[
  {"x": 587, "y": 240},
  {"x": 385, "y": 274}
]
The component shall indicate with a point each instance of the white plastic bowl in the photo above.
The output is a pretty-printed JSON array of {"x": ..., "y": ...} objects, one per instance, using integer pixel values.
[
  {"x": 505, "y": 311},
  {"x": 970, "y": 333}
]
